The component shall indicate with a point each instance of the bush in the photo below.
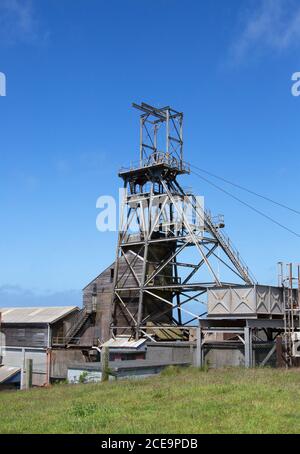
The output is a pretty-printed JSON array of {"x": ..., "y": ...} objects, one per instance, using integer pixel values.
[{"x": 83, "y": 377}]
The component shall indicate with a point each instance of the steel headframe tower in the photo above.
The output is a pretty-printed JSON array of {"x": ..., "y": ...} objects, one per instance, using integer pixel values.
[{"x": 166, "y": 239}]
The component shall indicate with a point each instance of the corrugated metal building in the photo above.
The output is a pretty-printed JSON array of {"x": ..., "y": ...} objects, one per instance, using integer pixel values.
[{"x": 27, "y": 333}]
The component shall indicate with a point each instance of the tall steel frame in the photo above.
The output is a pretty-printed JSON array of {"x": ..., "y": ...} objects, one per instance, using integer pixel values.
[
  {"x": 169, "y": 248},
  {"x": 290, "y": 282}
]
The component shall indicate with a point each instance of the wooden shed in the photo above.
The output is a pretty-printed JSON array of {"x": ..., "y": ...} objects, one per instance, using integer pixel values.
[{"x": 28, "y": 333}]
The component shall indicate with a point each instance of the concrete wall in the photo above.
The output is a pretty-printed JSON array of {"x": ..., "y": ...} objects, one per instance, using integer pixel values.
[
  {"x": 217, "y": 357},
  {"x": 17, "y": 356},
  {"x": 171, "y": 352}
]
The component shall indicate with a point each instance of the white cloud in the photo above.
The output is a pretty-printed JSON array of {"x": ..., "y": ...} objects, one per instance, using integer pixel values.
[
  {"x": 18, "y": 22},
  {"x": 14, "y": 295},
  {"x": 273, "y": 25}
]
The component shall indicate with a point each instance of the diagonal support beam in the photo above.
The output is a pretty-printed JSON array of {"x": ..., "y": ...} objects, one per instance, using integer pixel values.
[
  {"x": 188, "y": 278},
  {"x": 187, "y": 226},
  {"x": 130, "y": 267},
  {"x": 161, "y": 267},
  {"x": 168, "y": 302},
  {"x": 126, "y": 308}
]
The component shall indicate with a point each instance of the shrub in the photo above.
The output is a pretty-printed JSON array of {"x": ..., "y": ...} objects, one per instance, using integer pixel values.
[{"x": 83, "y": 377}]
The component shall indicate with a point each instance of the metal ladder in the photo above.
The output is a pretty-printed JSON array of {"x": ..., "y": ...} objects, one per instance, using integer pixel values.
[{"x": 291, "y": 311}]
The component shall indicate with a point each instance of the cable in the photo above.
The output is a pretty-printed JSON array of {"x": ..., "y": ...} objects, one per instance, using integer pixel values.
[
  {"x": 247, "y": 190},
  {"x": 247, "y": 205}
]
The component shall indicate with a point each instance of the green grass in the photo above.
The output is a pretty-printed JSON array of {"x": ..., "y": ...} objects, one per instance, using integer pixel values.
[{"x": 178, "y": 401}]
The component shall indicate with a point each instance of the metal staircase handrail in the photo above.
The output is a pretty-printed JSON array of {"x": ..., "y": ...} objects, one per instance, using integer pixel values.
[
  {"x": 231, "y": 251},
  {"x": 78, "y": 321}
]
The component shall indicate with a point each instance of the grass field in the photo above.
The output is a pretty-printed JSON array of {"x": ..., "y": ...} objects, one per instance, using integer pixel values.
[{"x": 178, "y": 401}]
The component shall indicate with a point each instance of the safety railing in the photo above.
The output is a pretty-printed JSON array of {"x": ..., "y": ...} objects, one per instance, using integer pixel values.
[
  {"x": 230, "y": 249},
  {"x": 86, "y": 341},
  {"x": 157, "y": 159},
  {"x": 163, "y": 279}
]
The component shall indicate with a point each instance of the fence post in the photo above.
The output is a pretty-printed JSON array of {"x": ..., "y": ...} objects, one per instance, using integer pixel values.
[
  {"x": 248, "y": 346},
  {"x": 279, "y": 352},
  {"x": 28, "y": 375},
  {"x": 199, "y": 351},
  {"x": 104, "y": 363}
]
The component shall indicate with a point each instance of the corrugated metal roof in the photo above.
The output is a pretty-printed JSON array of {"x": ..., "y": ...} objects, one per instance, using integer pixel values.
[
  {"x": 124, "y": 342},
  {"x": 35, "y": 314},
  {"x": 7, "y": 372}
]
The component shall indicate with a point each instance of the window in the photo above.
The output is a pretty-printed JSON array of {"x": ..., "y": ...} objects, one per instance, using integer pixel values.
[{"x": 112, "y": 273}]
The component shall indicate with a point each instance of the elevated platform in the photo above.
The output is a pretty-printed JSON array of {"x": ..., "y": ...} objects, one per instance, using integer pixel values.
[{"x": 158, "y": 164}]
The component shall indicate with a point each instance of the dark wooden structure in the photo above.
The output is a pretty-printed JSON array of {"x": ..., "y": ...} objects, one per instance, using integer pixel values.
[{"x": 98, "y": 294}]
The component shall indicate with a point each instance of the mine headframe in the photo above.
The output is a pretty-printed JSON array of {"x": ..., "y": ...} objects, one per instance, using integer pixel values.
[{"x": 170, "y": 248}]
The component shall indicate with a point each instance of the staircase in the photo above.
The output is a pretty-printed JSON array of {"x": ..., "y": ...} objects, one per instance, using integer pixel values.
[
  {"x": 229, "y": 250},
  {"x": 80, "y": 319}
]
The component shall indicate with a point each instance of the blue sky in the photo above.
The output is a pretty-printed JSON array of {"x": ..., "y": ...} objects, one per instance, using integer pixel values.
[{"x": 66, "y": 125}]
